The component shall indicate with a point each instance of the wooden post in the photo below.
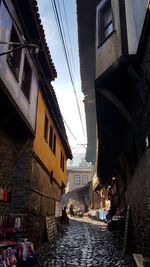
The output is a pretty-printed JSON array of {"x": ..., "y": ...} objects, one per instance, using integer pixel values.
[{"x": 126, "y": 231}]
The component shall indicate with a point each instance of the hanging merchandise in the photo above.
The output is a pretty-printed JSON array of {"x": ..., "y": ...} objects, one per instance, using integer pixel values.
[
  {"x": 5, "y": 194},
  {"x": 13, "y": 223},
  {"x": 8, "y": 258},
  {"x": 1, "y": 193},
  {"x": 26, "y": 254},
  {"x": 20, "y": 254}
]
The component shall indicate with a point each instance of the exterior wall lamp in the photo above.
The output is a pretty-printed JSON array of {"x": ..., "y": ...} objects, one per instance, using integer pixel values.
[{"x": 35, "y": 47}]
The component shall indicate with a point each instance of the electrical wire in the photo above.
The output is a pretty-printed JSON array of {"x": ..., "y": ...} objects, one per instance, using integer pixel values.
[
  {"x": 67, "y": 59},
  {"x": 69, "y": 39},
  {"x": 73, "y": 135},
  {"x": 68, "y": 34}
]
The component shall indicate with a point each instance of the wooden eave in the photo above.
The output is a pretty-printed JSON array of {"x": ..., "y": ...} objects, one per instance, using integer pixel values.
[{"x": 28, "y": 13}]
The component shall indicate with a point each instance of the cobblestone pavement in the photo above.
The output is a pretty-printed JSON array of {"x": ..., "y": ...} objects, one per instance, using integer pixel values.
[{"x": 84, "y": 243}]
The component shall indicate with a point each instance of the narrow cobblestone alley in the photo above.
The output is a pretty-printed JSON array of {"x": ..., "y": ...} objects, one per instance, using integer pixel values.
[{"x": 84, "y": 243}]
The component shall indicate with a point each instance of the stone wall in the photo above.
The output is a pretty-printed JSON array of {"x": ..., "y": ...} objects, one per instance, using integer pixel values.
[
  {"x": 43, "y": 194},
  {"x": 15, "y": 171},
  {"x": 32, "y": 190},
  {"x": 138, "y": 197}
]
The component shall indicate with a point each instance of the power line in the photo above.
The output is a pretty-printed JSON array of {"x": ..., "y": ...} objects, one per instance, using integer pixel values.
[
  {"x": 68, "y": 34},
  {"x": 69, "y": 39},
  {"x": 73, "y": 135},
  {"x": 70, "y": 130},
  {"x": 67, "y": 58}
]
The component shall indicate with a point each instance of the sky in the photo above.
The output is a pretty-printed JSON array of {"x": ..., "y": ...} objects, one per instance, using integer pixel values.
[{"x": 62, "y": 85}]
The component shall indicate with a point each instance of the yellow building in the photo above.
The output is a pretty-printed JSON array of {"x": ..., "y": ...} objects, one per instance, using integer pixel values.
[
  {"x": 50, "y": 153},
  {"x": 48, "y": 144}
]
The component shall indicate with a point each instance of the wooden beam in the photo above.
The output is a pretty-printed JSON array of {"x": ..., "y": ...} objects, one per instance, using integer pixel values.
[
  {"x": 136, "y": 81},
  {"x": 119, "y": 105}
]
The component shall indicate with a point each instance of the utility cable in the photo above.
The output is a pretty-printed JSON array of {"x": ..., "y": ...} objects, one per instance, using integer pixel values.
[
  {"x": 79, "y": 100},
  {"x": 68, "y": 34},
  {"x": 69, "y": 39},
  {"x": 67, "y": 60}
]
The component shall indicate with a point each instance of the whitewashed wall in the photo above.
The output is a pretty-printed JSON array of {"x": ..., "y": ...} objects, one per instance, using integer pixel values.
[
  {"x": 13, "y": 86},
  {"x": 135, "y": 15},
  {"x": 79, "y": 172},
  {"x": 110, "y": 50}
]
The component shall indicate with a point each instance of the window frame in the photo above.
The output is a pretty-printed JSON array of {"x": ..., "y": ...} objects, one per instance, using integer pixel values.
[
  {"x": 26, "y": 85},
  {"x": 46, "y": 124},
  {"x": 54, "y": 143},
  {"x": 83, "y": 176},
  {"x": 14, "y": 54},
  {"x": 62, "y": 161},
  {"x": 52, "y": 139},
  {"x": 75, "y": 182},
  {"x": 101, "y": 28}
]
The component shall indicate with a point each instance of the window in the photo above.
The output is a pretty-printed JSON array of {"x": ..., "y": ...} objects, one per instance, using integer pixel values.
[
  {"x": 84, "y": 179},
  {"x": 14, "y": 57},
  {"x": 62, "y": 161},
  {"x": 105, "y": 21},
  {"x": 76, "y": 179},
  {"x": 46, "y": 128},
  {"x": 52, "y": 140},
  {"x": 54, "y": 144},
  {"x": 26, "y": 79}
]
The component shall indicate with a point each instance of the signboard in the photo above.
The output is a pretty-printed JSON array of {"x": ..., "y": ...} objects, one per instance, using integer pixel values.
[
  {"x": 58, "y": 209},
  {"x": 51, "y": 227}
]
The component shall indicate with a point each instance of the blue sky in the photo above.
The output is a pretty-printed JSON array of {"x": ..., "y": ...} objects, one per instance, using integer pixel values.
[{"x": 62, "y": 84}]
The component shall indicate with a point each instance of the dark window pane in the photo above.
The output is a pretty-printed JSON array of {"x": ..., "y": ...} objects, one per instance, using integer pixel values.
[
  {"x": 107, "y": 16},
  {"x": 51, "y": 137},
  {"x": 46, "y": 128},
  {"x": 54, "y": 144},
  {"x": 14, "y": 57},
  {"x": 105, "y": 22},
  {"x": 26, "y": 79},
  {"x": 61, "y": 160},
  {"x": 63, "y": 163},
  {"x": 108, "y": 30}
]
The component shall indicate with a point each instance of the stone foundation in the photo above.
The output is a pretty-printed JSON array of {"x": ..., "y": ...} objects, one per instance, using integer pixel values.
[
  {"x": 32, "y": 190},
  {"x": 138, "y": 197},
  {"x": 15, "y": 172}
]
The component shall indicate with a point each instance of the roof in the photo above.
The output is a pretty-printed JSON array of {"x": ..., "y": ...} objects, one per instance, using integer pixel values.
[
  {"x": 28, "y": 11},
  {"x": 78, "y": 169},
  {"x": 35, "y": 11}
]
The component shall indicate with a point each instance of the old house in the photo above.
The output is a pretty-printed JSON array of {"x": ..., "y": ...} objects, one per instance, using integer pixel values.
[
  {"x": 87, "y": 57},
  {"x": 117, "y": 37},
  {"x": 33, "y": 143},
  {"x": 78, "y": 188}
]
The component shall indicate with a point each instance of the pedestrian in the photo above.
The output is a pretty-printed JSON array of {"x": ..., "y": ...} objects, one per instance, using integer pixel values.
[
  {"x": 64, "y": 218},
  {"x": 71, "y": 210}
]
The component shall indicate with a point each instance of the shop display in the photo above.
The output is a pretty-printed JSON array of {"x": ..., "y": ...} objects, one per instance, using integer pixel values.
[
  {"x": 20, "y": 254},
  {"x": 13, "y": 223},
  {"x": 16, "y": 251},
  {"x": 5, "y": 194}
]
